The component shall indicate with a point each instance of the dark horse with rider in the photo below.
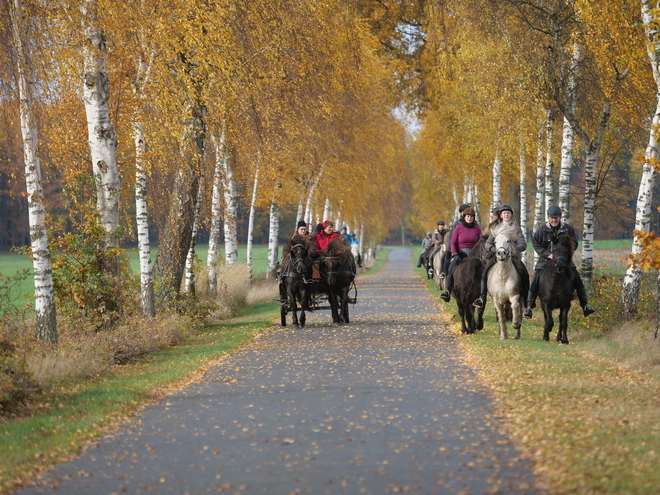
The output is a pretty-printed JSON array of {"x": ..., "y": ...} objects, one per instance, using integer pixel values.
[
  {"x": 490, "y": 263},
  {"x": 317, "y": 272}
]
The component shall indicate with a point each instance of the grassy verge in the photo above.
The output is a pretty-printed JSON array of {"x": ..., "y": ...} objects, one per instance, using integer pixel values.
[
  {"x": 63, "y": 420},
  {"x": 584, "y": 416}
]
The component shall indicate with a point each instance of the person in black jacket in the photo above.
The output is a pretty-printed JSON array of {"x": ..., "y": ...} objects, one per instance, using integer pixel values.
[{"x": 542, "y": 242}]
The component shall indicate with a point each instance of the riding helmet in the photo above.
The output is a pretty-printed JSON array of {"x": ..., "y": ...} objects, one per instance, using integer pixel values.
[
  {"x": 506, "y": 207},
  {"x": 463, "y": 207},
  {"x": 467, "y": 211},
  {"x": 554, "y": 211},
  {"x": 429, "y": 233},
  {"x": 301, "y": 223}
]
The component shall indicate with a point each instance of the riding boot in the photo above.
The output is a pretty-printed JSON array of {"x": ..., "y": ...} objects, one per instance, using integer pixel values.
[
  {"x": 531, "y": 304},
  {"x": 587, "y": 309},
  {"x": 479, "y": 302}
]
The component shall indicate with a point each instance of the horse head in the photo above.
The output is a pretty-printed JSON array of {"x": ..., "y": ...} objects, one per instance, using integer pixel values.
[
  {"x": 300, "y": 253},
  {"x": 338, "y": 258},
  {"x": 562, "y": 252},
  {"x": 502, "y": 247}
]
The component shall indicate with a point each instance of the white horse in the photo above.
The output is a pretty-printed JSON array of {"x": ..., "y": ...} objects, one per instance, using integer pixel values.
[
  {"x": 436, "y": 263},
  {"x": 504, "y": 285}
]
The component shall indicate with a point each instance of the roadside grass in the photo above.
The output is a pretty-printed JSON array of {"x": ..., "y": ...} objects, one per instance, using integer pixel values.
[
  {"x": 59, "y": 422},
  {"x": 584, "y": 412},
  {"x": 65, "y": 418}
]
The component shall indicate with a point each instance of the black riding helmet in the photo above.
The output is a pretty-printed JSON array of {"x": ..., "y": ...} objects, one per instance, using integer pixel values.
[{"x": 506, "y": 207}]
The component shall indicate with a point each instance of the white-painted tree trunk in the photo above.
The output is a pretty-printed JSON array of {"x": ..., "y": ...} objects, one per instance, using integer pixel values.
[
  {"x": 102, "y": 135},
  {"x": 142, "y": 220},
  {"x": 549, "y": 162},
  {"x": 568, "y": 138},
  {"x": 273, "y": 235},
  {"x": 523, "y": 197},
  {"x": 44, "y": 300},
  {"x": 216, "y": 219},
  {"x": 539, "y": 202},
  {"x": 632, "y": 279},
  {"x": 253, "y": 208},
  {"x": 231, "y": 207},
  {"x": 497, "y": 168}
]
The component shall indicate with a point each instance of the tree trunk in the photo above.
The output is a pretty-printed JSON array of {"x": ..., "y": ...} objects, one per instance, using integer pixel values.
[
  {"x": 142, "y": 219},
  {"x": 175, "y": 239},
  {"x": 44, "y": 300},
  {"x": 568, "y": 138},
  {"x": 539, "y": 202},
  {"x": 231, "y": 207},
  {"x": 273, "y": 236},
  {"x": 327, "y": 210},
  {"x": 216, "y": 214},
  {"x": 253, "y": 203},
  {"x": 549, "y": 163},
  {"x": 632, "y": 279},
  {"x": 102, "y": 136},
  {"x": 189, "y": 281},
  {"x": 523, "y": 198},
  {"x": 497, "y": 167}
]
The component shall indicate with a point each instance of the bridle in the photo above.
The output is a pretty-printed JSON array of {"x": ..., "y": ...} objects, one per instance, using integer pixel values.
[{"x": 297, "y": 263}]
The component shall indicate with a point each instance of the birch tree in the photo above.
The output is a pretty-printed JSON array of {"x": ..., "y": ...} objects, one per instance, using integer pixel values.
[
  {"x": 45, "y": 313},
  {"x": 631, "y": 282}
]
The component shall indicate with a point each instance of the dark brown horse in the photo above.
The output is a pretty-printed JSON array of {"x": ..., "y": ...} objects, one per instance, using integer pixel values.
[
  {"x": 339, "y": 269},
  {"x": 556, "y": 287},
  {"x": 295, "y": 266},
  {"x": 467, "y": 287}
]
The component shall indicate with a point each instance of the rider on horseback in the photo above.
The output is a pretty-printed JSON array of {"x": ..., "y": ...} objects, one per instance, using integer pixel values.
[
  {"x": 515, "y": 233},
  {"x": 542, "y": 242},
  {"x": 466, "y": 234},
  {"x": 426, "y": 244}
]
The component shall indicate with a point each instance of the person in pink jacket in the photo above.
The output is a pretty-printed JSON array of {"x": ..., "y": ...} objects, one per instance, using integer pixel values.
[{"x": 465, "y": 235}]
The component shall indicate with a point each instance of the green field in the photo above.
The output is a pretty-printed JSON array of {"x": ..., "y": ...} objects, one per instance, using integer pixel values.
[{"x": 23, "y": 290}]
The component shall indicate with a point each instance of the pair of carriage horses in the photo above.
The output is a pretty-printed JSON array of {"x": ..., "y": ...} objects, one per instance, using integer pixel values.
[
  {"x": 336, "y": 269},
  {"x": 555, "y": 286}
]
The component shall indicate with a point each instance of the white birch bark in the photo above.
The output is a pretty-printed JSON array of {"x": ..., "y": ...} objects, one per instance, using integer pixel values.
[
  {"x": 189, "y": 273},
  {"x": 549, "y": 163},
  {"x": 523, "y": 198},
  {"x": 300, "y": 213},
  {"x": 539, "y": 202},
  {"x": 477, "y": 204},
  {"x": 309, "y": 219},
  {"x": 568, "y": 137},
  {"x": 142, "y": 220},
  {"x": 327, "y": 210},
  {"x": 231, "y": 207},
  {"x": 44, "y": 300},
  {"x": 216, "y": 219},
  {"x": 273, "y": 235},
  {"x": 632, "y": 279},
  {"x": 497, "y": 167},
  {"x": 141, "y": 208},
  {"x": 454, "y": 193},
  {"x": 101, "y": 133},
  {"x": 253, "y": 209}
]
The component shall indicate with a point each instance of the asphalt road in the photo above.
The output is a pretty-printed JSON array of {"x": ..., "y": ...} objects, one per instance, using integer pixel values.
[{"x": 382, "y": 405}]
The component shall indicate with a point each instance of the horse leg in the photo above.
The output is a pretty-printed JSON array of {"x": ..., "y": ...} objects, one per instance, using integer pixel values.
[
  {"x": 471, "y": 322},
  {"x": 461, "y": 312},
  {"x": 480, "y": 318},
  {"x": 563, "y": 326},
  {"x": 294, "y": 304},
  {"x": 549, "y": 322},
  {"x": 501, "y": 318},
  {"x": 516, "y": 308}
]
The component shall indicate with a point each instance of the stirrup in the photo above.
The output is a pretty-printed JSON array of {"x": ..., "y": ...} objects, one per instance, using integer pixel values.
[
  {"x": 430, "y": 272},
  {"x": 445, "y": 296},
  {"x": 528, "y": 313},
  {"x": 442, "y": 275},
  {"x": 478, "y": 303},
  {"x": 588, "y": 310}
]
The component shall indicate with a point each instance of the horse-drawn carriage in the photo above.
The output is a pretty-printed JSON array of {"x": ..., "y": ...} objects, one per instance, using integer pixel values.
[{"x": 308, "y": 284}]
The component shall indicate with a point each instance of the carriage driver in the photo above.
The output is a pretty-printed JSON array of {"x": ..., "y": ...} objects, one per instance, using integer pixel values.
[
  {"x": 542, "y": 242},
  {"x": 466, "y": 234},
  {"x": 517, "y": 238}
]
